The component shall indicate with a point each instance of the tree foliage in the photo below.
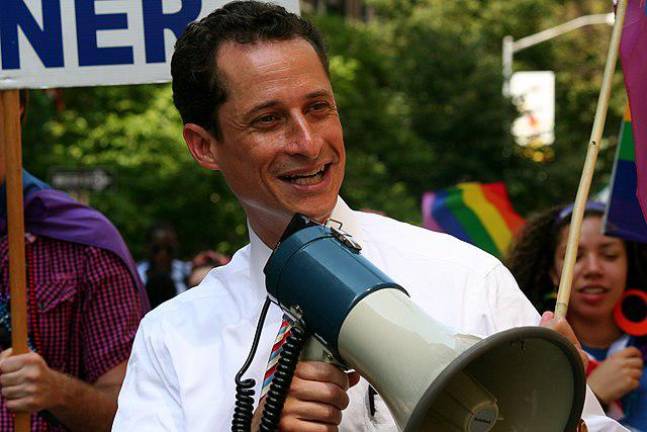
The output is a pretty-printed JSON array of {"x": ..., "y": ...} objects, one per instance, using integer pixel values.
[{"x": 419, "y": 92}]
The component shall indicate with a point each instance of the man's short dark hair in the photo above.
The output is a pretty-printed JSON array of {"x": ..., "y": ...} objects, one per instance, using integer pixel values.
[{"x": 198, "y": 87}]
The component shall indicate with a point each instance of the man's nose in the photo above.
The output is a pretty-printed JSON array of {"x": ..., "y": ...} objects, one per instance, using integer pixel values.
[{"x": 302, "y": 139}]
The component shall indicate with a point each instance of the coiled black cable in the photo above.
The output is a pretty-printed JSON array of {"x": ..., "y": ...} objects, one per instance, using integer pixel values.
[
  {"x": 244, "y": 408},
  {"x": 280, "y": 385}
]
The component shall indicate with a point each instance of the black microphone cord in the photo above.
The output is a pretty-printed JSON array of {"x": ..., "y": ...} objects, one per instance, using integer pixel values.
[
  {"x": 244, "y": 409},
  {"x": 280, "y": 385}
]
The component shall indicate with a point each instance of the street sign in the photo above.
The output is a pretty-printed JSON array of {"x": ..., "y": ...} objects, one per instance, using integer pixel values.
[
  {"x": 81, "y": 179},
  {"x": 76, "y": 43},
  {"x": 533, "y": 93}
]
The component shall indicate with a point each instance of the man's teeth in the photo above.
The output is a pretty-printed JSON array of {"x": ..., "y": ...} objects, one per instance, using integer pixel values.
[
  {"x": 313, "y": 179},
  {"x": 307, "y": 179}
]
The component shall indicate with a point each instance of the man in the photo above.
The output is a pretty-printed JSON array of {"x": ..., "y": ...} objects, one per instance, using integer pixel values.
[
  {"x": 251, "y": 83},
  {"x": 163, "y": 275},
  {"x": 84, "y": 307}
]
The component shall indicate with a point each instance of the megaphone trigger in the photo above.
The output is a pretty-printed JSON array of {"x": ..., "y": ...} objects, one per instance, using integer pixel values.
[{"x": 313, "y": 350}]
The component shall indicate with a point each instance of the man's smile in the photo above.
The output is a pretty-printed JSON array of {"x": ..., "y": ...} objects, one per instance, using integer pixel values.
[{"x": 306, "y": 178}]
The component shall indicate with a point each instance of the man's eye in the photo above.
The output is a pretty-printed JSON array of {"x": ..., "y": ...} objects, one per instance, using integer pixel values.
[
  {"x": 266, "y": 119},
  {"x": 319, "y": 106}
]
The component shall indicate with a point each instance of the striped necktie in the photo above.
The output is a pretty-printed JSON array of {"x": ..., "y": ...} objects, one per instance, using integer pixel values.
[{"x": 281, "y": 337}]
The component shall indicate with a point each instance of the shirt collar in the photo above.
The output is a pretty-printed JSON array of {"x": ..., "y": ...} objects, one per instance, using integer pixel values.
[{"x": 342, "y": 217}]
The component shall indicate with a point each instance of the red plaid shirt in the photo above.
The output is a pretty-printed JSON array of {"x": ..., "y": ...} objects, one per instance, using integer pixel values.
[{"x": 86, "y": 306}]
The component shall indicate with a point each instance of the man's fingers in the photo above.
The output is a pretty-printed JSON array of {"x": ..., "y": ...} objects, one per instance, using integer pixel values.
[
  {"x": 323, "y": 392},
  {"x": 546, "y": 318},
  {"x": 11, "y": 379},
  {"x": 5, "y": 354},
  {"x": 323, "y": 372},
  {"x": 313, "y": 412},
  {"x": 17, "y": 362},
  {"x": 293, "y": 424},
  {"x": 23, "y": 404},
  {"x": 353, "y": 378},
  {"x": 17, "y": 392},
  {"x": 562, "y": 327}
]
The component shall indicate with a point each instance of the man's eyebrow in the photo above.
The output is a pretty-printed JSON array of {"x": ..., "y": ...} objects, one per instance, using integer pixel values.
[
  {"x": 262, "y": 106},
  {"x": 317, "y": 94}
]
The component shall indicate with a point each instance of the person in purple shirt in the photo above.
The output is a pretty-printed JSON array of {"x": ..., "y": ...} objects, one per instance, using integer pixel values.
[{"x": 84, "y": 302}]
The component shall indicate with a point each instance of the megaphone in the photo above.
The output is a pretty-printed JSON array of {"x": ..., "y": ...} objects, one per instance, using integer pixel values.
[{"x": 431, "y": 377}]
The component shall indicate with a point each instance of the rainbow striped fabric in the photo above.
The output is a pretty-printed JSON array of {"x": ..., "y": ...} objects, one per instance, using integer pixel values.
[
  {"x": 624, "y": 217},
  {"x": 480, "y": 214},
  {"x": 634, "y": 66}
]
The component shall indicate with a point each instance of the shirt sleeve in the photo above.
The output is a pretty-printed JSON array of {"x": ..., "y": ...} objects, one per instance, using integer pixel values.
[
  {"x": 150, "y": 398},
  {"x": 511, "y": 308},
  {"x": 111, "y": 313}
]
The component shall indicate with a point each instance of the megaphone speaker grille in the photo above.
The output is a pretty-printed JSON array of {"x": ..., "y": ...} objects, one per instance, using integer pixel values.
[{"x": 533, "y": 373}]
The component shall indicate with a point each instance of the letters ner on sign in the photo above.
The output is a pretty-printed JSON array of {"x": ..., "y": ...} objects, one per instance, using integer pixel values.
[{"x": 75, "y": 43}]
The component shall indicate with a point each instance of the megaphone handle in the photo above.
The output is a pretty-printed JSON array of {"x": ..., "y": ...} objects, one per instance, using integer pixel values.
[
  {"x": 313, "y": 350},
  {"x": 282, "y": 379}
]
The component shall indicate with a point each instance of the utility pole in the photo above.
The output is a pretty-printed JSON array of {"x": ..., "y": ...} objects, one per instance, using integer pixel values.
[{"x": 511, "y": 46}]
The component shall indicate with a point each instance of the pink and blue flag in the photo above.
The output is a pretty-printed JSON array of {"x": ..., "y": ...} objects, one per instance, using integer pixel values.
[{"x": 633, "y": 54}]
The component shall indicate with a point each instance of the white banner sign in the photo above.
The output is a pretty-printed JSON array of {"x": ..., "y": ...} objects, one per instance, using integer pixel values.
[
  {"x": 74, "y": 43},
  {"x": 534, "y": 95}
]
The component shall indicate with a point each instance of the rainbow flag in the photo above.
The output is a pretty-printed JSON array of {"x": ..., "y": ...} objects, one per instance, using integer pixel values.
[
  {"x": 480, "y": 214},
  {"x": 623, "y": 217},
  {"x": 633, "y": 54}
]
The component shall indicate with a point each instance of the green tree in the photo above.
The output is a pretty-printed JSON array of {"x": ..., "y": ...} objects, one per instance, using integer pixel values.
[{"x": 419, "y": 93}]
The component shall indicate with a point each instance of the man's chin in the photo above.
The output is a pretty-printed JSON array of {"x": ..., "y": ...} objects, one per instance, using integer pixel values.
[{"x": 320, "y": 215}]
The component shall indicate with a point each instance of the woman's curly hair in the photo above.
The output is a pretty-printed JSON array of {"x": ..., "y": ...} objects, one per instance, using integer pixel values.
[{"x": 531, "y": 257}]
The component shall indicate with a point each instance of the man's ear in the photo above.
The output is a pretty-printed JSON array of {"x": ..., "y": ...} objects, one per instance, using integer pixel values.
[{"x": 202, "y": 145}]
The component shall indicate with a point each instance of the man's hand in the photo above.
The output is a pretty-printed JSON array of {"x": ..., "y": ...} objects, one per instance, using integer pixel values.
[
  {"x": 618, "y": 375},
  {"x": 562, "y": 327},
  {"x": 316, "y": 399},
  {"x": 28, "y": 384}
]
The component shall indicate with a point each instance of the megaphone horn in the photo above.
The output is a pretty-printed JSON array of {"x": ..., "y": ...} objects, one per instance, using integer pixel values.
[{"x": 431, "y": 378}]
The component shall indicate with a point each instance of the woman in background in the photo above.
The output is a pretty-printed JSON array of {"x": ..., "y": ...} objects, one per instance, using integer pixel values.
[{"x": 606, "y": 267}]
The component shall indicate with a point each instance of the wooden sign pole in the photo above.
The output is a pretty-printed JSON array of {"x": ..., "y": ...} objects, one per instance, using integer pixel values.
[
  {"x": 566, "y": 281},
  {"x": 11, "y": 138}
]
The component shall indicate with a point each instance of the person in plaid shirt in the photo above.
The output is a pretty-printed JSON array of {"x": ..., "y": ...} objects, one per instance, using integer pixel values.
[{"x": 84, "y": 305}]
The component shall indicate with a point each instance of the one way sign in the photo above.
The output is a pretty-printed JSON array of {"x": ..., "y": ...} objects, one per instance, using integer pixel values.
[{"x": 81, "y": 179}]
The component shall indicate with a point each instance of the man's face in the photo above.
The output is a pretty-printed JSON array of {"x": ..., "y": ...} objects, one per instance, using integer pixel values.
[{"x": 281, "y": 149}]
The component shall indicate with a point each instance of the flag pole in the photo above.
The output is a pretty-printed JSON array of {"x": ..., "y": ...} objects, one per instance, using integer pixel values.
[
  {"x": 566, "y": 281},
  {"x": 10, "y": 104}
]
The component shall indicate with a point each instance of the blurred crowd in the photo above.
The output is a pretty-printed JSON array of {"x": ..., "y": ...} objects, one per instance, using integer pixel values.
[{"x": 165, "y": 275}]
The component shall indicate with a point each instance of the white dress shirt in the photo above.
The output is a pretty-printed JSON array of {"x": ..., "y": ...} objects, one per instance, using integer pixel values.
[{"x": 186, "y": 353}]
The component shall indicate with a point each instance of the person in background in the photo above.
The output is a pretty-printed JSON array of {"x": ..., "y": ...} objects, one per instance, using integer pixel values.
[
  {"x": 84, "y": 303},
  {"x": 202, "y": 264},
  {"x": 604, "y": 269},
  {"x": 163, "y": 274}
]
